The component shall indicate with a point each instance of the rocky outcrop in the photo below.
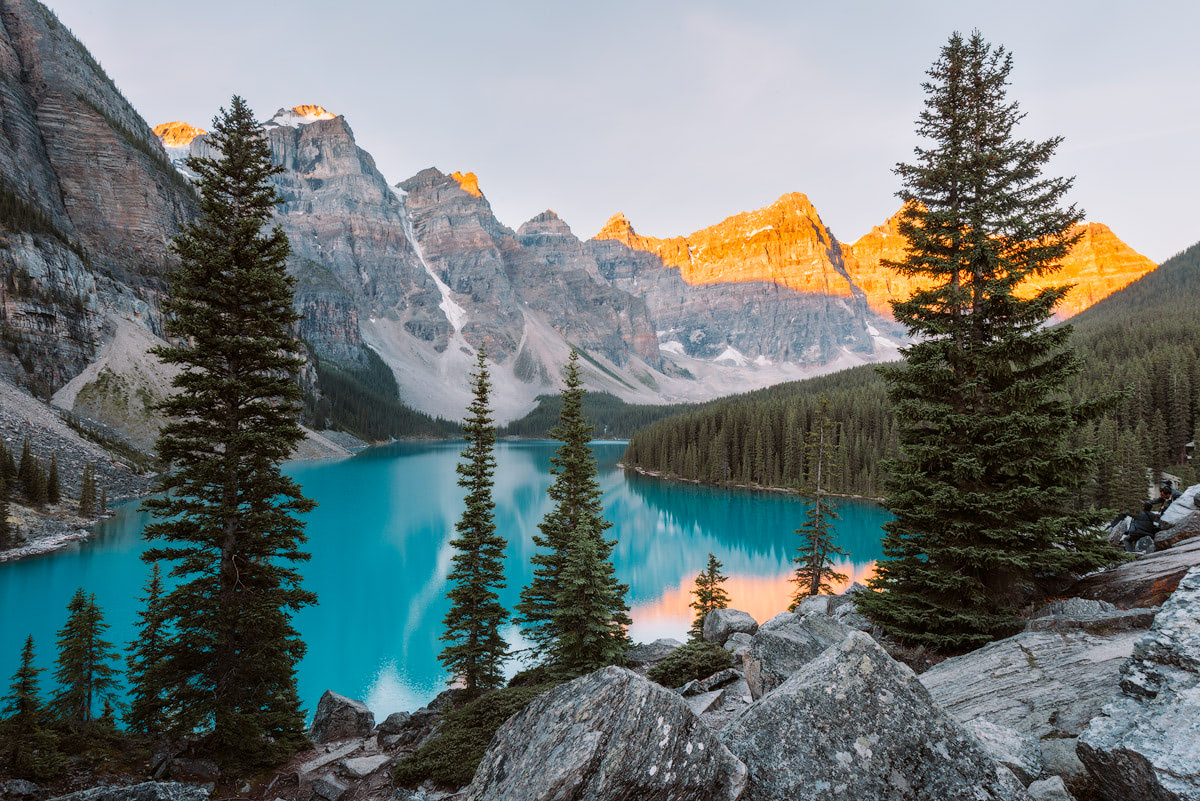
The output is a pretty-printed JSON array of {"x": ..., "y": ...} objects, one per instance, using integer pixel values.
[
  {"x": 340, "y": 718},
  {"x": 644, "y": 654},
  {"x": 1046, "y": 685},
  {"x": 855, "y": 723},
  {"x": 1147, "y": 582},
  {"x": 146, "y": 791},
  {"x": 609, "y": 735},
  {"x": 1081, "y": 614},
  {"x": 1146, "y": 744},
  {"x": 784, "y": 644},
  {"x": 1051, "y": 789},
  {"x": 1183, "y": 507},
  {"x": 720, "y": 624},
  {"x": 1008, "y": 747}
]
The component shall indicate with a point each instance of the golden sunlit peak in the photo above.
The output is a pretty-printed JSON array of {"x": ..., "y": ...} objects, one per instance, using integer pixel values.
[
  {"x": 313, "y": 112},
  {"x": 467, "y": 182},
  {"x": 177, "y": 134},
  {"x": 618, "y": 226}
]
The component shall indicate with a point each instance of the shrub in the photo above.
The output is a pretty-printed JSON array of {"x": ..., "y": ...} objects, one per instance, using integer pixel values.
[
  {"x": 697, "y": 659},
  {"x": 451, "y": 756}
]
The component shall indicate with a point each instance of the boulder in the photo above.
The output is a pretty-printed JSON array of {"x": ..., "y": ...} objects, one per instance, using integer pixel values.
[
  {"x": 1146, "y": 744},
  {"x": 737, "y": 645},
  {"x": 1183, "y": 506},
  {"x": 1084, "y": 614},
  {"x": 340, "y": 718},
  {"x": 720, "y": 623},
  {"x": 786, "y": 643},
  {"x": 15, "y": 788},
  {"x": 854, "y": 723},
  {"x": 1185, "y": 529},
  {"x": 1010, "y": 748},
  {"x": 1052, "y": 789},
  {"x": 146, "y": 791},
  {"x": 1045, "y": 685},
  {"x": 609, "y": 735},
  {"x": 649, "y": 653},
  {"x": 363, "y": 766},
  {"x": 394, "y": 723},
  {"x": 814, "y": 605},
  {"x": 329, "y": 788},
  {"x": 1147, "y": 582},
  {"x": 704, "y": 702}
]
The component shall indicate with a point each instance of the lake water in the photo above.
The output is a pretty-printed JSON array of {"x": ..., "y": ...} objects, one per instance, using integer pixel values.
[{"x": 380, "y": 545}]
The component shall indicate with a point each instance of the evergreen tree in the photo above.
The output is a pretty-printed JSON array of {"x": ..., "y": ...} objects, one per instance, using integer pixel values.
[
  {"x": 814, "y": 558},
  {"x": 146, "y": 703},
  {"x": 7, "y": 538},
  {"x": 53, "y": 489},
  {"x": 227, "y": 514},
  {"x": 103, "y": 502},
  {"x": 709, "y": 594},
  {"x": 87, "y": 491},
  {"x": 546, "y": 605},
  {"x": 27, "y": 472},
  {"x": 8, "y": 468},
  {"x": 84, "y": 674},
  {"x": 27, "y": 745},
  {"x": 476, "y": 652},
  {"x": 982, "y": 487}
]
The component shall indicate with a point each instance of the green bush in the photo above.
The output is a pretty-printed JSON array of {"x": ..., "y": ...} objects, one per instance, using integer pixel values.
[
  {"x": 698, "y": 659},
  {"x": 450, "y": 758}
]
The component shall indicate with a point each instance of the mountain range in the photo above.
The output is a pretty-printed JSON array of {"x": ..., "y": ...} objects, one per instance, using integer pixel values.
[{"x": 416, "y": 274}]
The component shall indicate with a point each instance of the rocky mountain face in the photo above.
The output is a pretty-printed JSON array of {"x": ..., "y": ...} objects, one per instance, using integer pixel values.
[
  {"x": 90, "y": 202},
  {"x": 1098, "y": 265}
]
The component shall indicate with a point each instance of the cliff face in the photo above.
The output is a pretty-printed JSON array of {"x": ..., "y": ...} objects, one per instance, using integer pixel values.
[
  {"x": 93, "y": 201},
  {"x": 766, "y": 286},
  {"x": 1099, "y": 264}
]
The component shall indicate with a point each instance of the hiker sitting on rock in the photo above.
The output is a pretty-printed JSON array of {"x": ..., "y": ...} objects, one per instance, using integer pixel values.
[
  {"x": 1145, "y": 524},
  {"x": 1166, "y": 496}
]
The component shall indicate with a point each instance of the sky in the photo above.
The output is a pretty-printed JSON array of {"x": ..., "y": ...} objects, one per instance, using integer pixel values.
[{"x": 680, "y": 114}]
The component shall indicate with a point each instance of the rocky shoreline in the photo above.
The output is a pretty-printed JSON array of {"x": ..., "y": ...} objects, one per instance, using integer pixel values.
[{"x": 760, "y": 487}]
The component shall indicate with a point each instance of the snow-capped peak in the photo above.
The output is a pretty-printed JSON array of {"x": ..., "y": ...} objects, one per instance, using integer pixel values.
[
  {"x": 177, "y": 134},
  {"x": 299, "y": 115}
]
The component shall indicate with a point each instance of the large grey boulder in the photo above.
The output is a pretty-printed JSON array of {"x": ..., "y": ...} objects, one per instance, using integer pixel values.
[
  {"x": 720, "y": 623},
  {"x": 146, "y": 791},
  {"x": 1046, "y": 685},
  {"x": 1183, "y": 506},
  {"x": 1146, "y": 744},
  {"x": 1084, "y": 614},
  {"x": 854, "y": 723},
  {"x": 784, "y": 644},
  {"x": 609, "y": 735},
  {"x": 647, "y": 653},
  {"x": 1052, "y": 789},
  {"x": 1015, "y": 751},
  {"x": 1149, "y": 581},
  {"x": 340, "y": 718}
]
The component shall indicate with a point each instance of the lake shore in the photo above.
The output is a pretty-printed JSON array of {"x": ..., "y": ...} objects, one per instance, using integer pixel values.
[{"x": 761, "y": 487}]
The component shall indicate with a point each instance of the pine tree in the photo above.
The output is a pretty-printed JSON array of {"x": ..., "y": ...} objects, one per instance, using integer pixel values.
[
  {"x": 546, "y": 603},
  {"x": 87, "y": 491},
  {"x": 228, "y": 515},
  {"x": 982, "y": 487},
  {"x": 7, "y": 538},
  {"x": 27, "y": 744},
  {"x": 84, "y": 674},
  {"x": 476, "y": 652},
  {"x": 27, "y": 472},
  {"x": 53, "y": 490},
  {"x": 709, "y": 594},
  {"x": 146, "y": 704},
  {"x": 818, "y": 545},
  {"x": 103, "y": 502}
]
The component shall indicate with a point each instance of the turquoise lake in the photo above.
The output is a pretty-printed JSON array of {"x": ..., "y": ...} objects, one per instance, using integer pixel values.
[{"x": 380, "y": 553}]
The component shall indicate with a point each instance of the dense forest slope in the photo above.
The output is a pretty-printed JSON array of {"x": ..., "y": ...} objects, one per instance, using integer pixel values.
[{"x": 1144, "y": 340}]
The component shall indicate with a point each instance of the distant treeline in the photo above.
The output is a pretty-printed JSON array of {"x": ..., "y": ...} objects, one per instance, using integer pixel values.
[
  {"x": 365, "y": 401},
  {"x": 1144, "y": 340},
  {"x": 611, "y": 417}
]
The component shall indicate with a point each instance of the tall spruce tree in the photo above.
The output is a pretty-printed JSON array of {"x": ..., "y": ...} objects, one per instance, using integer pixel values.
[
  {"x": 709, "y": 594},
  {"x": 53, "y": 488},
  {"x": 592, "y": 599},
  {"x": 476, "y": 652},
  {"x": 27, "y": 744},
  {"x": 7, "y": 538},
  {"x": 982, "y": 488},
  {"x": 227, "y": 513},
  {"x": 146, "y": 703},
  {"x": 818, "y": 543},
  {"x": 87, "y": 491},
  {"x": 84, "y": 674}
]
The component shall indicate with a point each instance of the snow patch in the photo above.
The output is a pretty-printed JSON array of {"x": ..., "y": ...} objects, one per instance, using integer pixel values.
[
  {"x": 732, "y": 354},
  {"x": 673, "y": 346},
  {"x": 455, "y": 313}
]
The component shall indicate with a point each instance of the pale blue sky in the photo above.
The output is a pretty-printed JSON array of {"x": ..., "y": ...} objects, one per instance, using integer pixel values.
[{"x": 682, "y": 113}]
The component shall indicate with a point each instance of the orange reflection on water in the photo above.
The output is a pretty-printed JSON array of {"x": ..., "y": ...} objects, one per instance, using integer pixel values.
[{"x": 762, "y": 596}]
